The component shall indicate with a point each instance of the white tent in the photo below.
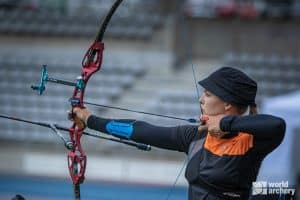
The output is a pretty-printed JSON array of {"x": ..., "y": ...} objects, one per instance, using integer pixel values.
[{"x": 280, "y": 164}]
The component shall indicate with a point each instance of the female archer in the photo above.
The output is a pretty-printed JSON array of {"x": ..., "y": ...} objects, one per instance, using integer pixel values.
[{"x": 225, "y": 152}]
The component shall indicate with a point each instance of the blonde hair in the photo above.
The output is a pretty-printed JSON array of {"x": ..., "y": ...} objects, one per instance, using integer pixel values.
[{"x": 247, "y": 110}]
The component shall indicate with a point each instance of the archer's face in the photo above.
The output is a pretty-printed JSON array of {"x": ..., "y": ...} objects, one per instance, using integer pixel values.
[{"x": 211, "y": 104}]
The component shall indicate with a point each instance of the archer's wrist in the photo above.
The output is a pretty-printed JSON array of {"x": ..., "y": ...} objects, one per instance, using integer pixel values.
[
  {"x": 91, "y": 120},
  {"x": 97, "y": 123}
]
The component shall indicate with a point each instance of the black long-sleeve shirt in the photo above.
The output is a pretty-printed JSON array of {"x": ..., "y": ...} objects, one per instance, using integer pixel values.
[{"x": 218, "y": 168}]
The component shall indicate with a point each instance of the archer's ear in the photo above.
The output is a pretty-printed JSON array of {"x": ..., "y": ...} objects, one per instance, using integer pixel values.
[{"x": 227, "y": 106}]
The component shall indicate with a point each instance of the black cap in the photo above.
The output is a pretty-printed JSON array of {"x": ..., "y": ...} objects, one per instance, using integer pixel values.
[{"x": 231, "y": 85}]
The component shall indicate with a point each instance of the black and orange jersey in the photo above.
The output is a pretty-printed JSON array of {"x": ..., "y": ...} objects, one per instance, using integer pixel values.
[{"x": 218, "y": 168}]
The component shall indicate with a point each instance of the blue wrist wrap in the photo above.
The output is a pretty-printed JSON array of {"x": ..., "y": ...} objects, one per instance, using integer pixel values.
[{"x": 120, "y": 129}]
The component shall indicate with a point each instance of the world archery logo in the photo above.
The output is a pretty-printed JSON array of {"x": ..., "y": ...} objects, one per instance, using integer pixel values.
[
  {"x": 266, "y": 188},
  {"x": 259, "y": 187}
]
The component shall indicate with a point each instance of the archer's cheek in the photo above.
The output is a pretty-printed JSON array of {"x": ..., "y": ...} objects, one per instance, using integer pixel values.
[{"x": 214, "y": 110}]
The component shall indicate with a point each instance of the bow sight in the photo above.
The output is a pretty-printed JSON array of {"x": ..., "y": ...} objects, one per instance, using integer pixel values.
[{"x": 41, "y": 87}]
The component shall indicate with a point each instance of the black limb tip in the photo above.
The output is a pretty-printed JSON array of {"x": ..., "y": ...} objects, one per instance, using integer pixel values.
[{"x": 18, "y": 197}]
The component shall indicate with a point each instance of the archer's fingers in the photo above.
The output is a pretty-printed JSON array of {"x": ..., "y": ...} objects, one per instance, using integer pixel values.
[
  {"x": 202, "y": 128},
  {"x": 76, "y": 115}
]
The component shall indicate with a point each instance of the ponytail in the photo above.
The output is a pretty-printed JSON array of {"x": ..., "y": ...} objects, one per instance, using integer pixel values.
[
  {"x": 253, "y": 110},
  {"x": 247, "y": 110}
]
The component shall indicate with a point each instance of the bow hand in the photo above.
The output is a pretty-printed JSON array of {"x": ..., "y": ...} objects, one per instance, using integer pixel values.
[{"x": 81, "y": 116}]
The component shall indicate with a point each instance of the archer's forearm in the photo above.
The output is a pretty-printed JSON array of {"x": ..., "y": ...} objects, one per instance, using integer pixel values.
[{"x": 139, "y": 131}]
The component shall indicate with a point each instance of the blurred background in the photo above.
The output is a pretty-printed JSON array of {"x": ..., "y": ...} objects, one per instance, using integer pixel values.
[{"x": 150, "y": 48}]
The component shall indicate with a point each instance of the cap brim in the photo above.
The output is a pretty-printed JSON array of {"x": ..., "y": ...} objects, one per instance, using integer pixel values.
[{"x": 212, "y": 87}]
